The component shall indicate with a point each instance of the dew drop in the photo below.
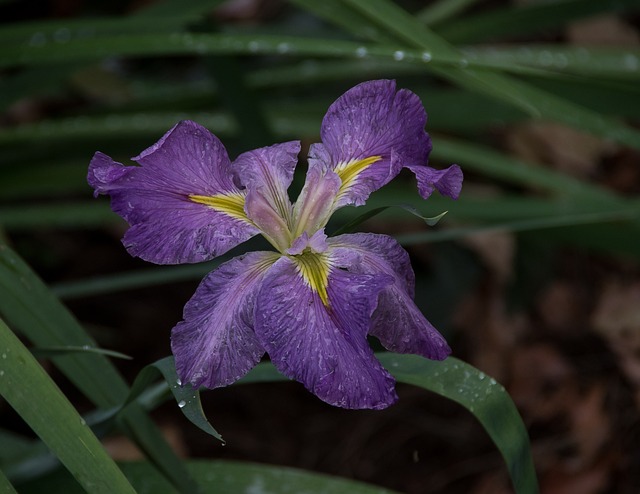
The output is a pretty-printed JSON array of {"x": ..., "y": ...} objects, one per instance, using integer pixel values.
[
  {"x": 253, "y": 46},
  {"x": 631, "y": 62},
  {"x": 361, "y": 51},
  {"x": 545, "y": 58},
  {"x": 182, "y": 403},
  {"x": 38, "y": 39},
  {"x": 1, "y": 373},
  {"x": 82, "y": 421},
  {"x": 62, "y": 35},
  {"x": 481, "y": 376},
  {"x": 4, "y": 355},
  {"x": 179, "y": 381},
  {"x": 398, "y": 55},
  {"x": 283, "y": 48},
  {"x": 426, "y": 56},
  {"x": 464, "y": 63}
]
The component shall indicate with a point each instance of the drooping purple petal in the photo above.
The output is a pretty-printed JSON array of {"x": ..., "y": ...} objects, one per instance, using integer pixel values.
[
  {"x": 157, "y": 198},
  {"x": 215, "y": 344},
  {"x": 397, "y": 322},
  {"x": 267, "y": 173},
  {"x": 447, "y": 181},
  {"x": 324, "y": 347},
  {"x": 372, "y": 122}
]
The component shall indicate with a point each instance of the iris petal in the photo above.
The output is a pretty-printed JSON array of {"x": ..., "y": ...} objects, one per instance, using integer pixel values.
[
  {"x": 397, "y": 321},
  {"x": 215, "y": 344},
  {"x": 372, "y": 124},
  {"x": 267, "y": 173},
  {"x": 324, "y": 347},
  {"x": 169, "y": 226}
]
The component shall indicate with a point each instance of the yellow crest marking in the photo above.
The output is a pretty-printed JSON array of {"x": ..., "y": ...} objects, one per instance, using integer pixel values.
[
  {"x": 231, "y": 204},
  {"x": 348, "y": 172},
  {"x": 314, "y": 269}
]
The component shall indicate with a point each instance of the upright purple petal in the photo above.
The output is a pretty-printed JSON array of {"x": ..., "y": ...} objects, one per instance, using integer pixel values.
[
  {"x": 317, "y": 199},
  {"x": 397, "y": 321},
  {"x": 324, "y": 347},
  {"x": 181, "y": 201},
  {"x": 267, "y": 173},
  {"x": 369, "y": 134},
  {"x": 215, "y": 344}
]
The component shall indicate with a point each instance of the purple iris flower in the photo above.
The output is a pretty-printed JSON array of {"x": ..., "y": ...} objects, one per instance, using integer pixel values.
[{"x": 310, "y": 303}]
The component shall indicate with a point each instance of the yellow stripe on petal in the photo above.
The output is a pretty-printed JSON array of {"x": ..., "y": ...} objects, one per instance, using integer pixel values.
[
  {"x": 348, "y": 172},
  {"x": 314, "y": 269},
  {"x": 231, "y": 204}
]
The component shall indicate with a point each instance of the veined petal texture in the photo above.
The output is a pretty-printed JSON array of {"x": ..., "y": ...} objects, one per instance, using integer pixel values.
[
  {"x": 181, "y": 202},
  {"x": 267, "y": 173},
  {"x": 369, "y": 134},
  {"x": 397, "y": 322},
  {"x": 215, "y": 344},
  {"x": 324, "y": 346}
]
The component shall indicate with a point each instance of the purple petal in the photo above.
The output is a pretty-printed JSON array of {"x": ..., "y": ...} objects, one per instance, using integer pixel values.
[
  {"x": 397, "y": 321},
  {"x": 267, "y": 173},
  {"x": 156, "y": 198},
  {"x": 448, "y": 181},
  {"x": 324, "y": 347},
  {"x": 317, "y": 199},
  {"x": 373, "y": 120},
  {"x": 216, "y": 344},
  {"x": 316, "y": 243}
]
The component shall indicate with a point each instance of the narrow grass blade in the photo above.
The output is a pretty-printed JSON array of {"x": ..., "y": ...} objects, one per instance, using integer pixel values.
[
  {"x": 603, "y": 62},
  {"x": 442, "y": 10},
  {"x": 31, "y": 308},
  {"x": 41, "y": 352},
  {"x": 225, "y": 477},
  {"x": 5, "y": 485},
  {"x": 539, "y": 104},
  {"x": 23, "y": 382},
  {"x": 524, "y": 20}
]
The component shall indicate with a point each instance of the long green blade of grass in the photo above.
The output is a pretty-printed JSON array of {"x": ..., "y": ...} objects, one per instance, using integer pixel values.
[
  {"x": 230, "y": 477},
  {"x": 5, "y": 485},
  {"x": 30, "y": 307},
  {"x": 24, "y": 383},
  {"x": 538, "y": 103}
]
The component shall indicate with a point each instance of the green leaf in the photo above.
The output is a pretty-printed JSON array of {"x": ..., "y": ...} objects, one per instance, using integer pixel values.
[
  {"x": 23, "y": 382},
  {"x": 187, "y": 398},
  {"x": 351, "y": 225},
  {"x": 133, "y": 279},
  {"x": 30, "y": 307},
  {"x": 5, "y": 485},
  {"x": 225, "y": 477},
  {"x": 52, "y": 351},
  {"x": 604, "y": 62},
  {"x": 487, "y": 400},
  {"x": 441, "y": 10},
  {"x": 539, "y": 104},
  {"x": 524, "y": 20},
  {"x": 480, "y": 394}
]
